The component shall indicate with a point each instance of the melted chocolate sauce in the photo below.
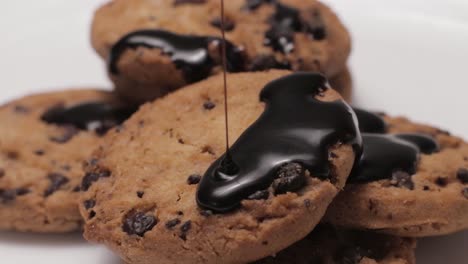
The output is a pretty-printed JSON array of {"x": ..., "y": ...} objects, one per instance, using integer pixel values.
[
  {"x": 97, "y": 116},
  {"x": 295, "y": 127},
  {"x": 385, "y": 154},
  {"x": 190, "y": 54}
]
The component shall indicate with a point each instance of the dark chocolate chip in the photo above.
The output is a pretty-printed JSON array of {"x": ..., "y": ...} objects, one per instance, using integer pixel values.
[
  {"x": 88, "y": 204},
  {"x": 441, "y": 181},
  {"x": 92, "y": 177},
  {"x": 465, "y": 192},
  {"x": 462, "y": 175},
  {"x": 172, "y": 223},
  {"x": 20, "y": 109},
  {"x": 180, "y": 213},
  {"x": 68, "y": 133},
  {"x": 76, "y": 189},
  {"x": 229, "y": 25},
  {"x": 290, "y": 177},
  {"x": 402, "y": 179},
  {"x": 259, "y": 195},
  {"x": 7, "y": 195},
  {"x": 140, "y": 194},
  {"x": 266, "y": 62},
  {"x": 426, "y": 188},
  {"x": 22, "y": 191},
  {"x": 208, "y": 105},
  {"x": 57, "y": 180},
  {"x": 184, "y": 229},
  {"x": 193, "y": 179},
  {"x": 39, "y": 152},
  {"x": 92, "y": 214},
  {"x": 138, "y": 223},
  {"x": 254, "y": 4},
  {"x": 181, "y": 2}
]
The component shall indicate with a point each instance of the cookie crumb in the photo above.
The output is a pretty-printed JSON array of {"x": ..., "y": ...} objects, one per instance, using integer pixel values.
[
  {"x": 57, "y": 180},
  {"x": 138, "y": 223},
  {"x": 462, "y": 175},
  {"x": 172, "y": 223},
  {"x": 193, "y": 179}
]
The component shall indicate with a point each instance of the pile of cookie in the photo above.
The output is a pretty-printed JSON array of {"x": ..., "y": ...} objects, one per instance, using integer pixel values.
[{"x": 307, "y": 179}]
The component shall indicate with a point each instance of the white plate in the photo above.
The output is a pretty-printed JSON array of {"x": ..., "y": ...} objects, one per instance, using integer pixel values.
[{"x": 410, "y": 57}]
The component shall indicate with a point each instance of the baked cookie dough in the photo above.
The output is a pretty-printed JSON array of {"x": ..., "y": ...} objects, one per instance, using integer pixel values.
[
  {"x": 335, "y": 246},
  {"x": 44, "y": 139},
  {"x": 157, "y": 46},
  {"x": 416, "y": 185},
  {"x": 143, "y": 186}
]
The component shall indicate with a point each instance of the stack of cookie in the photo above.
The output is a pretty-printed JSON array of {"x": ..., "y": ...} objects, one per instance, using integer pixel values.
[{"x": 145, "y": 169}]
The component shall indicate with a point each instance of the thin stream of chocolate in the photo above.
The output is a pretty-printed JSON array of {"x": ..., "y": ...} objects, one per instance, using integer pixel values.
[{"x": 223, "y": 34}]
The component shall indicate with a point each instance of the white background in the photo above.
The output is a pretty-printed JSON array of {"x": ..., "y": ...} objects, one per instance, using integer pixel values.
[{"x": 410, "y": 58}]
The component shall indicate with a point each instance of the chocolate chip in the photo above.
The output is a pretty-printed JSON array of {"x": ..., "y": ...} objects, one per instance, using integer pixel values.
[
  {"x": 259, "y": 195},
  {"x": 426, "y": 188},
  {"x": 229, "y": 25},
  {"x": 7, "y": 196},
  {"x": 140, "y": 194},
  {"x": 290, "y": 177},
  {"x": 76, "y": 189},
  {"x": 441, "y": 181},
  {"x": 88, "y": 204},
  {"x": 57, "y": 180},
  {"x": 193, "y": 179},
  {"x": 208, "y": 105},
  {"x": 92, "y": 214},
  {"x": 402, "y": 179},
  {"x": 39, "y": 152},
  {"x": 180, "y": 213},
  {"x": 181, "y": 2},
  {"x": 307, "y": 203},
  {"x": 462, "y": 175},
  {"x": 92, "y": 177},
  {"x": 314, "y": 25},
  {"x": 68, "y": 133},
  {"x": 172, "y": 223},
  {"x": 138, "y": 223},
  {"x": 266, "y": 62},
  {"x": 20, "y": 109},
  {"x": 184, "y": 229},
  {"x": 465, "y": 192}
]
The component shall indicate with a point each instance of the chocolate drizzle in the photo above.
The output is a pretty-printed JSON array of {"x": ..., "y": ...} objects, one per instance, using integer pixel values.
[
  {"x": 94, "y": 116},
  {"x": 386, "y": 154},
  {"x": 190, "y": 54},
  {"x": 295, "y": 127}
]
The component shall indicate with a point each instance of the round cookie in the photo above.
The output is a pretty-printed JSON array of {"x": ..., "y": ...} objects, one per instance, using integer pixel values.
[
  {"x": 420, "y": 189},
  {"x": 43, "y": 143},
  {"x": 150, "y": 55},
  {"x": 153, "y": 202},
  {"x": 334, "y": 246}
]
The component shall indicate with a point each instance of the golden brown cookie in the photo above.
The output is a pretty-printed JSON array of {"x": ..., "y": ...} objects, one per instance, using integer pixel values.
[
  {"x": 327, "y": 245},
  {"x": 157, "y": 46},
  {"x": 413, "y": 181},
  {"x": 145, "y": 196},
  {"x": 44, "y": 139}
]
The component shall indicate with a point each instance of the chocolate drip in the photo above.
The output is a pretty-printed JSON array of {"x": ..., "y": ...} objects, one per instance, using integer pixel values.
[
  {"x": 370, "y": 122},
  {"x": 294, "y": 128},
  {"x": 97, "y": 116},
  {"x": 190, "y": 54},
  {"x": 385, "y": 154}
]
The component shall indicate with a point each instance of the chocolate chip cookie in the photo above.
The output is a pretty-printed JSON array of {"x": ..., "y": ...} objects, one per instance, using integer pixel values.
[
  {"x": 157, "y": 46},
  {"x": 411, "y": 181},
  {"x": 334, "y": 246},
  {"x": 44, "y": 139},
  {"x": 164, "y": 188}
]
